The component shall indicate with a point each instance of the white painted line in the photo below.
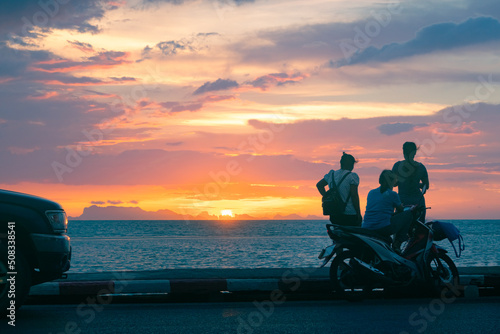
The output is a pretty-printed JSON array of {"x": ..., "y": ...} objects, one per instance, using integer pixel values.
[
  {"x": 472, "y": 279},
  {"x": 471, "y": 291}
]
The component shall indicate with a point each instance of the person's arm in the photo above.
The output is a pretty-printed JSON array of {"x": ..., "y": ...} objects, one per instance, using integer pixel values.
[
  {"x": 425, "y": 179},
  {"x": 321, "y": 186},
  {"x": 355, "y": 201},
  {"x": 397, "y": 202},
  {"x": 395, "y": 171},
  {"x": 400, "y": 208}
]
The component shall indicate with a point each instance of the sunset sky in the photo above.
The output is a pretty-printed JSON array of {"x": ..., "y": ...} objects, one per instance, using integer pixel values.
[{"x": 243, "y": 105}]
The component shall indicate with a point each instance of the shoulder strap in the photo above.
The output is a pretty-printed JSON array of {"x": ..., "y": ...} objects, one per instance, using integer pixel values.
[
  {"x": 348, "y": 195},
  {"x": 343, "y": 178},
  {"x": 461, "y": 246}
]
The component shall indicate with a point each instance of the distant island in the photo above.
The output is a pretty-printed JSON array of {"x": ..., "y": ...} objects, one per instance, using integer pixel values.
[{"x": 96, "y": 212}]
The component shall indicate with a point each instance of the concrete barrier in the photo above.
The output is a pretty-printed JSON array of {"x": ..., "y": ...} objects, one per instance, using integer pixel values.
[{"x": 210, "y": 281}]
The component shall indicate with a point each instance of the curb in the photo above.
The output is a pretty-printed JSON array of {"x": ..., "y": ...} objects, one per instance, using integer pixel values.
[{"x": 211, "y": 286}]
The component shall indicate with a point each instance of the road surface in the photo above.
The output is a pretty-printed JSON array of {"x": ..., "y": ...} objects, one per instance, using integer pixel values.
[{"x": 278, "y": 316}]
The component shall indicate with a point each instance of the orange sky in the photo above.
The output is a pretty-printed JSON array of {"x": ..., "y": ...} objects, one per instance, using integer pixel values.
[{"x": 245, "y": 105}]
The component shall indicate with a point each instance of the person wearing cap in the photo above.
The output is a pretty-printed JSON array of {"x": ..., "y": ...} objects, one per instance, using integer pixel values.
[{"x": 348, "y": 190}]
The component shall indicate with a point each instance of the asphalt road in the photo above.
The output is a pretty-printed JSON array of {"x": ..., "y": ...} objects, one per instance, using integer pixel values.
[{"x": 373, "y": 316}]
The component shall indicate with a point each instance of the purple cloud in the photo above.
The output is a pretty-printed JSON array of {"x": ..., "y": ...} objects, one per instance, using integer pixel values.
[
  {"x": 217, "y": 85},
  {"x": 436, "y": 37},
  {"x": 179, "y": 106},
  {"x": 20, "y": 18},
  {"x": 175, "y": 106},
  {"x": 103, "y": 59},
  {"x": 85, "y": 47},
  {"x": 177, "y": 143},
  {"x": 390, "y": 129},
  {"x": 275, "y": 79}
]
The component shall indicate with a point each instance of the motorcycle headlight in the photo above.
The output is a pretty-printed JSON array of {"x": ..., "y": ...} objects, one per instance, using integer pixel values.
[{"x": 58, "y": 221}]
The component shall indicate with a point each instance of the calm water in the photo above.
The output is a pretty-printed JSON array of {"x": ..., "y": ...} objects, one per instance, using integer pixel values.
[{"x": 150, "y": 245}]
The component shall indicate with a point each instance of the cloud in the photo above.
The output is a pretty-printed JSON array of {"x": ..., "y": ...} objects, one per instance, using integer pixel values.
[
  {"x": 440, "y": 135},
  {"x": 15, "y": 62},
  {"x": 176, "y": 143},
  {"x": 153, "y": 167},
  {"x": 312, "y": 43},
  {"x": 180, "y": 106},
  {"x": 219, "y": 84},
  {"x": 68, "y": 80},
  {"x": 103, "y": 59},
  {"x": 390, "y": 129},
  {"x": 19, "y": 19},
  {"x": 263, "y": 82},
  {"x": 275, "y": 79},
  {"x": 145, "y": 54},
  {"x": 193, "y": 44},
  {"x": 51, "y": 108},
  {"x": 173, "y": 2},
  {"x": 40, "y": 105},
  {"x": 180, "y": 2},
  {"x": 437, "y": 37},
  {"x": 173, "y": 47},
  {"x": 196, "y": 105},
  {"x": 113, "y": 202},
  {"x": 44, "y": 96},
  {"x": 43, "y": 67},
  {"x": 312, "y": 148},
  {"x": 122, "y": 79},
  {"x": 48, "y": 123},
  {"x": 84, "y": 47}
]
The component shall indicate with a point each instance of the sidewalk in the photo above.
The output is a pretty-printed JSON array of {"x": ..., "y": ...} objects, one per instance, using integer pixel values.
[{"x": 214, "y": 281}]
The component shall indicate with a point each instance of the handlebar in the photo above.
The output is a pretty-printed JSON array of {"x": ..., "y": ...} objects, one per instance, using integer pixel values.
[{"x": 329, "y": 228}]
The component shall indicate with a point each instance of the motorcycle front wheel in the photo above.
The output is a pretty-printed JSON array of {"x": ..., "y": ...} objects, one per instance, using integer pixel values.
[
  {"x": 443, "y": 274},
  {"x": 348, "y": 284}
]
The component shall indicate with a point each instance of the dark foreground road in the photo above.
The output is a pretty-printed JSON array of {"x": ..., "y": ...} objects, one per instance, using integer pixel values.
[{"x": 374, "y": 316}]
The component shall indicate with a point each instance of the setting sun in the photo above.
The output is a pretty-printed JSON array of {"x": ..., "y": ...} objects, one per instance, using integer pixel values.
[{"x": 226, "y": 213}]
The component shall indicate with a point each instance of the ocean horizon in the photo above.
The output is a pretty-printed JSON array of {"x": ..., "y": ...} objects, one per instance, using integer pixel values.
[{"x": 135, "y": 245}]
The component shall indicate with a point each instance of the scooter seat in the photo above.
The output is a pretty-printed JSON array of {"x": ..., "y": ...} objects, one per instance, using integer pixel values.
[{"x": 367, "y": 232}]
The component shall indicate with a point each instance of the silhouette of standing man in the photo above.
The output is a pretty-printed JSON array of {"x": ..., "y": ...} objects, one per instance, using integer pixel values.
[
  {"x": 412, "y": 177},
  {"x": 347, "y": 182}
]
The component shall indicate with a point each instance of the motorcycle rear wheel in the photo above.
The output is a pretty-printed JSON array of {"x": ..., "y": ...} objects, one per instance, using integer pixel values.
[
  {"x": 443, "y": 274},
  {"x": 347, "y": 284}
]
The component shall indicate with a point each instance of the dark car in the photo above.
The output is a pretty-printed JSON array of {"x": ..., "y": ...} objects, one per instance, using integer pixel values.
[{"x": 34, "y": 247}]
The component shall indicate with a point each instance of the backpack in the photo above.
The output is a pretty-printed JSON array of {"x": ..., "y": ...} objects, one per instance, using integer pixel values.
[
  {"x": 332, "y": 202},
  {"x": 443, "y": 230}
]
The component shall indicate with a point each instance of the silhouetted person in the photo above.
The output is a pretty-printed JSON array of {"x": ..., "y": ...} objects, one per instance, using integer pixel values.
[
  {"x": 412, "y": 176},
  {"x": 380, "y": 205},
  {"x": 348, "y": 191}
]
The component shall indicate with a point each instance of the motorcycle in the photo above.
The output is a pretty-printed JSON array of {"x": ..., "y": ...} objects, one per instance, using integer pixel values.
[{"x": 364, "y": 261}]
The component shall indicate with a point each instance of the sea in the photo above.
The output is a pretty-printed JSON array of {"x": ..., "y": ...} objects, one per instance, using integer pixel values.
[{"x": 132, "y": 245}]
